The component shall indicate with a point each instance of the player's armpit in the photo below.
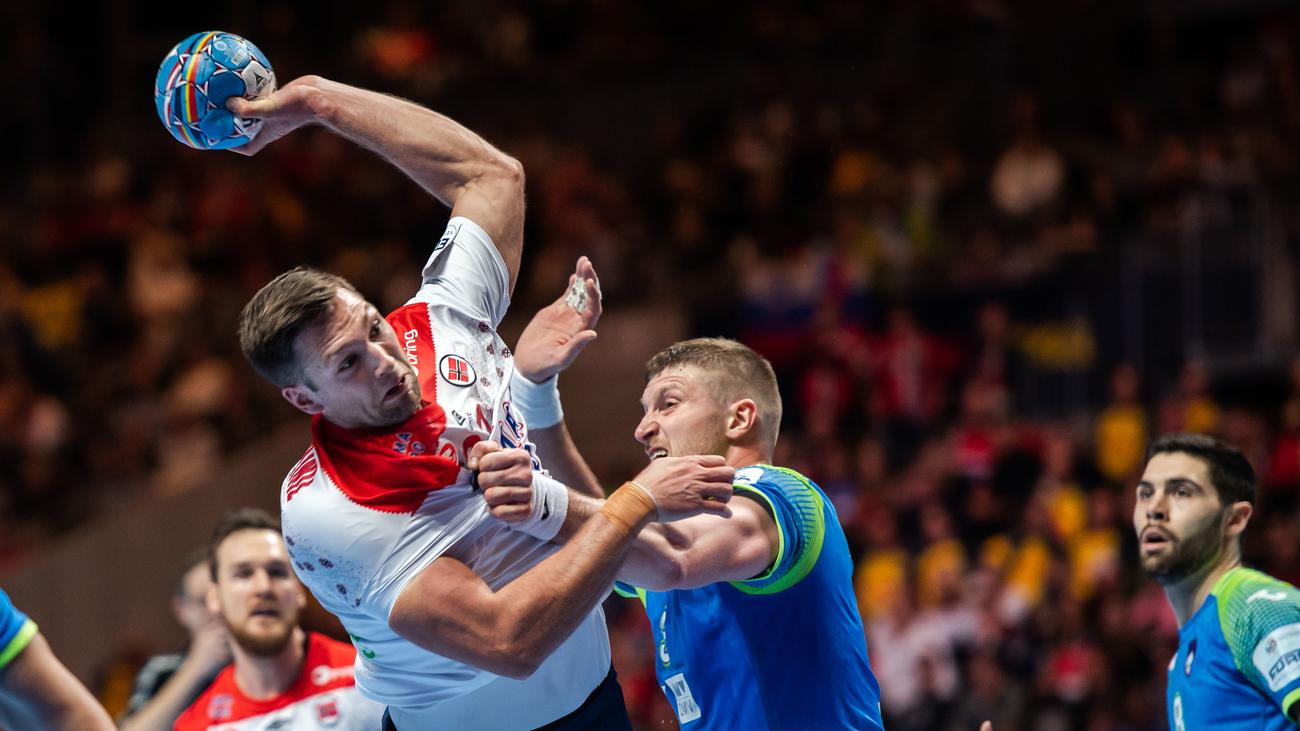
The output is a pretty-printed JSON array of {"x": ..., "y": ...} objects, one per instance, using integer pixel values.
[{"x": 704, "y": 549}]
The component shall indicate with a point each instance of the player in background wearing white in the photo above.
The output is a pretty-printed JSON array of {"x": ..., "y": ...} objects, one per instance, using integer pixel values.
[
  {"x": 281, "y": 677},
  {"x": 460, "y": 620}
]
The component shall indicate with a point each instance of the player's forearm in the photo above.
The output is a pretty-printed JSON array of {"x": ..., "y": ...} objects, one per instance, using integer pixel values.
[
  {"x": 652, "y": 561},
  {"x": 440, "y": 154},
  {"x": 542, "y": 608},
  {"x": 160, "y": 713}
]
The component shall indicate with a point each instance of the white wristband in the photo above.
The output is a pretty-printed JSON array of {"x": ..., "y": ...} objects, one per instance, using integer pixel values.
[
  {"x": 549, "y": 506},
  {"x": 538, "y": 402}
]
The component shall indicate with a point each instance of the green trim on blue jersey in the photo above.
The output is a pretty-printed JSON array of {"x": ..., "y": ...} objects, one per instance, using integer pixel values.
[
  {"x": 1290, "y": 700},
  {"x": 18, "y": 643},
  {"x": 810, "y": 511},
  {"x": 1254, "y": 607},
  {"x": 627, "y": 591}
]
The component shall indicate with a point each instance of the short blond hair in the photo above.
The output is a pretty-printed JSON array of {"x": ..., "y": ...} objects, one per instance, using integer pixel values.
[{"x": 735, "y": 372}]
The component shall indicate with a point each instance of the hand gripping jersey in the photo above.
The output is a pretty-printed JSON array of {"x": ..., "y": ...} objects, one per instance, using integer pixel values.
[
  {"x": 1238, "y": 660},
  {"x": 365, "y": 511},
  {"x": 322, "y": 697},
  {"x": 16, "y": 631},
  {"x": 784, "y": 650}
]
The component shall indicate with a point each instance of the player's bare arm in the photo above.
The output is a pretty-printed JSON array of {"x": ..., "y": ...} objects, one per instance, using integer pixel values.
[
  {"x": 696, "y": 551},
  {"x": 452, "y": 163},
  {"x": 449, "y": 610},
  {"x": 549, "y": 345}
]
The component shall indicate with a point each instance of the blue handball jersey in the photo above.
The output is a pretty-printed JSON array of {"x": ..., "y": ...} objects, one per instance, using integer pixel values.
[
  {"x": 1238, "y": 661},
  {"x": 16, "y": 631},
  {"x": 784, "y": 650}
]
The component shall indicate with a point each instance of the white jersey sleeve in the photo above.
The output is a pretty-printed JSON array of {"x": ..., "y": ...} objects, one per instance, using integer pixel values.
[{"x": 466, "y": 271}]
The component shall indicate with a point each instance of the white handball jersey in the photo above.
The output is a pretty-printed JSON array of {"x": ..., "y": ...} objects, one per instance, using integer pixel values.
[{"x": 364, "y": 512}]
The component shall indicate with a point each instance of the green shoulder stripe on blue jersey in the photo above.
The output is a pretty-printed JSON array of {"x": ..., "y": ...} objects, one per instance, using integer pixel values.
[
  {"x": 18, "y": 643},
  {"x": 1251, "y": 605},
  {"x": 810, "y": 512}
]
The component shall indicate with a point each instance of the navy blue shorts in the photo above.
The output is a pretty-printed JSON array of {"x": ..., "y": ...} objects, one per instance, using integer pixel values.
[{"x": 603, "y": 710}]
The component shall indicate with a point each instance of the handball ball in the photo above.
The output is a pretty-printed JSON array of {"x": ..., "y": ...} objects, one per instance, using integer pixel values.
[{"x": 194, "y": 82}]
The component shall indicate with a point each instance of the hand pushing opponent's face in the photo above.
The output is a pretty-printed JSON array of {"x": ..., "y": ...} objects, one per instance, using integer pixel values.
[
  {"x": 355, "y": 373},
  {"x": 682, "y": 415}
]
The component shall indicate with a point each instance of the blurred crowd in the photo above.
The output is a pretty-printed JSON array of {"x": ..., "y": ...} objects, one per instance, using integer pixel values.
[{"x": 940, "y": 221}]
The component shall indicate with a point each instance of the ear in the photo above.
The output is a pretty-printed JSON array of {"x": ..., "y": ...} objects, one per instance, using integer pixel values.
[
  {"x": 302, "y": 399},
  {"x": 742, "y": 420},
  {"x": 302, "y": 597},
  {"x": 1238, "y": 516},
  {"x": 214, "y": 604}
]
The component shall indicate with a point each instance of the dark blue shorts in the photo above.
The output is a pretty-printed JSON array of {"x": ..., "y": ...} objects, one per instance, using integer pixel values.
[{"x": 603, "y": 710}]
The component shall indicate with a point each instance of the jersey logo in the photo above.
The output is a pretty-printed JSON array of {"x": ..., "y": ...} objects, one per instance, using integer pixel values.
[
  {"x": 221, "y": 707},
  {"x": 448, "y": 236},
  {"x": 1265, "y": 594},
  {"x": 1191, "y": 655},
  {"x": 1277, "y": 656},
  {"x": 301, "y": 475},
  {"x": 456, "y": 370},
  {"x": 663, "y": 639},
  {"x": 327, "y": 713},
  {"x": 687, "y": 709}
]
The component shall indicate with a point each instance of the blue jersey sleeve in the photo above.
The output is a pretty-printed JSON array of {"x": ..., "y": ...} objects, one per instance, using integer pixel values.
[
  {"x": 1260, "y": 617},
  {"x": 799, "y": 510},
  {"x": 16, "y": 631}
]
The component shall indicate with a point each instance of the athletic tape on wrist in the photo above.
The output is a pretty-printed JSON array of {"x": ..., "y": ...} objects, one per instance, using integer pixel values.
[
  {"x": 548, "y": 508},
  {"x": 629, "y": 505},
  {"x": 538, "y": 402}
]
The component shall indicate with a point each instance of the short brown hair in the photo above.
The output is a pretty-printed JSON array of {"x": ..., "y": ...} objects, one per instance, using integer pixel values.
[
  {"x": 736, "y": 372},
  {"x": 282, "y": 309},
  {"x": 233, "y": 522}
]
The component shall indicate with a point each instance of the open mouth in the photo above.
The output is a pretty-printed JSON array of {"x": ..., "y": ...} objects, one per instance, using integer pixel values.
[
  {"x": 396, "y": 390},
  {"x": 1153, "y": 539},
  {"x": 268, "y": 612},
  {"x": 656, "y": 453}
]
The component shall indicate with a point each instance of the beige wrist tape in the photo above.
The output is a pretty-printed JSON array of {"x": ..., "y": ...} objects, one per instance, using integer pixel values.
[{"x": 629, "y": 506}]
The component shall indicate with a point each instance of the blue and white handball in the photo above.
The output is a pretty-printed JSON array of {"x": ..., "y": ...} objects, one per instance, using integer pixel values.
[{"x": 195, "y": 80}]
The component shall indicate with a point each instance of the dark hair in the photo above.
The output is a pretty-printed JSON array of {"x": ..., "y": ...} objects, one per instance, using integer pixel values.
[
  {"x": 1230, "y": 471},
  {"x": 738, "y": 373},
  {"x": 281, "y": 310},
  {"x": 233, "y": 522}
]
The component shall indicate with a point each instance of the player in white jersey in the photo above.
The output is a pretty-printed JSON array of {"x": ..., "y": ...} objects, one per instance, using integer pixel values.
[{"x": 460, "y": 621}]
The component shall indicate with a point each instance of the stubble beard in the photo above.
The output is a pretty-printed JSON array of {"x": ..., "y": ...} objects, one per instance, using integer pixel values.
[
  {"x": 1187, "y": 556},
  {"x": 266, "y": 644}
]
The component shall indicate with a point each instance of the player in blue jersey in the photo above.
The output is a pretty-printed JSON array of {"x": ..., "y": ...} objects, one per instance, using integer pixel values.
[
  {"x": 35, "y": 688},
  {"x": 1238, "y": 659},
  {"x": 753, "y": 614}
]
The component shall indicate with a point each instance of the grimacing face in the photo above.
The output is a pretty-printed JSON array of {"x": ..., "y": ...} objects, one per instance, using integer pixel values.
[
  {"x": 256, "y": 593},
  {"x": 682, "y": 416},
  {"x": 355, "y": 372},
  {"x": 1179, "y": 518}
]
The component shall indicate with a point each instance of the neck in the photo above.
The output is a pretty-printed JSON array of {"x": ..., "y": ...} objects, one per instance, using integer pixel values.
[
  {"x": 262, "y": 678},
  {"x": 744, "y": 456},
  {"x": 1188, "y": 595}
]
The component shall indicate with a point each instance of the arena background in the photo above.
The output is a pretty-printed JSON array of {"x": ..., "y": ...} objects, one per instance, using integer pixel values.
[{"x": 991, "y": 247}]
